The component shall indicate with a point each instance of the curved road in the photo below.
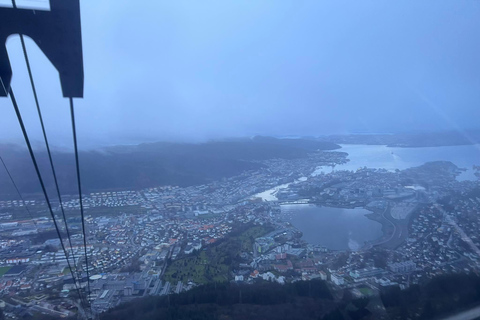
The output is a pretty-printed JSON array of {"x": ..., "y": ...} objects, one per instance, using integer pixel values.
[{"x": 400, "y": 230}]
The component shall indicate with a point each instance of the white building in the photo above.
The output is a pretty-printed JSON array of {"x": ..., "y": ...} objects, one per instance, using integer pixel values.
[{"x": 337, "y": 279}]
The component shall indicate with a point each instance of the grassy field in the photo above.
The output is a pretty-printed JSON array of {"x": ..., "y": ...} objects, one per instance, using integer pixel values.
[
  {"x": 366, "y": 291},
  {"x": 215, "y": 262},
  {"x": 248, "y": 237},
  {"x": 199, "y": 268},
  {"x": 4, "y": 270}
]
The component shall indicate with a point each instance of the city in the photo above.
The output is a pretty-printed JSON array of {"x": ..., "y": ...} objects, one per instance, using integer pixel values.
[
  {"x": 244, "y": 160},
  {"x": 165, "y": 240}
]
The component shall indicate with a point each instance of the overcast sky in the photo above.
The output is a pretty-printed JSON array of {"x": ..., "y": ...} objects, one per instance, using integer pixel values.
[{"x": 198, "y": 70}]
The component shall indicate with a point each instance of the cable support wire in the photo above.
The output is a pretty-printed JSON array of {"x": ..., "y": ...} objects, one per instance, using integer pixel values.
[
  {"x": 26, "y": 207},
  {"x": 75, "y": 145},
  {"x": 47, "y": 199},
  {"x": 18, "y": 191},
  {"x": 55, "y": 176},
  {"x": 48, "y": 150}
]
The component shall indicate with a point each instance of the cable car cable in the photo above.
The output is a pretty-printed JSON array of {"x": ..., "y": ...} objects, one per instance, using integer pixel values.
[
  {"x": 53, "y": 171},
  {"x": 37, "y": 170},
  {"x": 52, "y": 166},
  {"x": 25, "y": 205},
  {"x": 18, "y": 191},
  {"x": 75, "y": 145}
]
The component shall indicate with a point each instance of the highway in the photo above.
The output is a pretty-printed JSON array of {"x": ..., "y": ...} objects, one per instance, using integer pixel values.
[
  {"x": 400, "y": 229},
  {"x": 393, "y": 225},
  {"x": 457, "y": 228}
]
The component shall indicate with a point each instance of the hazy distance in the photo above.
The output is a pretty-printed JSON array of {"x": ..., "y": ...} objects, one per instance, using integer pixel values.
[{"x": 193, "y": 71}]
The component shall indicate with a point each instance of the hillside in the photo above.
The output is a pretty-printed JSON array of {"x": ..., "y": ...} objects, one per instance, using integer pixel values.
[
  {"x": 149, "y": 165},
  {"x": 264, "y": 300},
  {"x": 436, "y": 298}
]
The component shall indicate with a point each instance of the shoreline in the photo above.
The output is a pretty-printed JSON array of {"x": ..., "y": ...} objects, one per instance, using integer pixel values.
[
  {"x": 372, "y": 215},
  {"x": 378, "y": 217},
  {"x": 394, "y": 231}
]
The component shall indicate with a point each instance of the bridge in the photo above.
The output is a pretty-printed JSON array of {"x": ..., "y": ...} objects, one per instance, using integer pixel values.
[{"x": 302, "y": 201}]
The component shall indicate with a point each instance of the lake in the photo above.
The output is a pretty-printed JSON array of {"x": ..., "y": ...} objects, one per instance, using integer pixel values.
[
  {"x": 402, "y": 158},
  {"x": 333, "y": 228},
  {"x": 341, "y": 229}
]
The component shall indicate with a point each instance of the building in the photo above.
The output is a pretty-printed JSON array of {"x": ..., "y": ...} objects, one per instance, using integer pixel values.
[
  {"x": 15, "y": 271},
  {"x": 104, "y": 301},
  {"x": 366, "y": 273},
  {"x": 296, "y": 253},
  {"x": 53, "y": 242},
  {"x": 188, "y": 249},
  {"x": 18, "y": 260},
  {"x": 263, "y": 244},
  {"x": 337, "y": 279},
  {"x": 323, "y": 275},
  {"x": 281, "y": 256},
  {"x": 405, "y": 266}
]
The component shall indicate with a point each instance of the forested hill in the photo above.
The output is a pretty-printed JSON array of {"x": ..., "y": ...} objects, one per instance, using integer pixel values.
[
  {"x": 148, "y": 165},
  {"x": 264, "y": 300},
  {"x": 435, "y": 299}
]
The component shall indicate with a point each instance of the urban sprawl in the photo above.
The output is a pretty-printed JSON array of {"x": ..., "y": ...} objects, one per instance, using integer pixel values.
[{"x": 153, "y": 241}]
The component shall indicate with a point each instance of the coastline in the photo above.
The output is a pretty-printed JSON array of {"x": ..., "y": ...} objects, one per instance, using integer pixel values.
[{"x": 386, "y": 226}]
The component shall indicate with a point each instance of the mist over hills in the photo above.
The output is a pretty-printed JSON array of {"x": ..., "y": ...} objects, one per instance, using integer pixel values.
[{"x": 149, "y": 165}]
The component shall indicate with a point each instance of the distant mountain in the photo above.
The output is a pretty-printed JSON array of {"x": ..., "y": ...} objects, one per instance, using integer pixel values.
[
  {"x": 149, "y": 165},
  {"x": 432, "y": 139},
  {"x": 304, "y": 143}
]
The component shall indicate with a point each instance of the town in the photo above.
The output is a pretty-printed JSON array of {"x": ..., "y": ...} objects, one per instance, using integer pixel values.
[{"x": 168, "y": 239}]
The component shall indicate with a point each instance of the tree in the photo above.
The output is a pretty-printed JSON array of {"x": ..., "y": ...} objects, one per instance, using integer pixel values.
[
  {"x": 361, "y": 303},
  {"x": 50, "y": 248},
  {"x": 340, "y": 260},
  {"x": 334, "y": 315}
]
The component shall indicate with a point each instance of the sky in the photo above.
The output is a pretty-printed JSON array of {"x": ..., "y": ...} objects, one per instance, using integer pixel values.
[{"x": 200, "y": 70}]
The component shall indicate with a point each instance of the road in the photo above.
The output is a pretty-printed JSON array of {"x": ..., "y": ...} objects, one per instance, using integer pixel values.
[
  {"x": 169, "y": 255},
  {"x": 391, "y": 222},
  {"x": 457, "y": 228},
  {"x": 369, "y": 245},
  {"x": 397, "y": 230},
  {"x": 400, "y": 229},
  {"x": 463, "y": 235}
]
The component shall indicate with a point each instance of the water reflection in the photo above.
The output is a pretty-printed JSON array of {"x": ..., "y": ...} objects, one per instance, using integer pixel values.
[{"x": 334, "y": 228}]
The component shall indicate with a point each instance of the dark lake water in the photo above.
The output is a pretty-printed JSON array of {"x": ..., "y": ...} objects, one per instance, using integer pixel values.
[{"x": 334, "y": 228}]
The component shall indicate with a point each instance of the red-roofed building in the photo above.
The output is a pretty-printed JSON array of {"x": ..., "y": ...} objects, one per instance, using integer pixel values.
[
  {"x": 283, "y": 267},
  {"x": 281, "y": 256}
]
